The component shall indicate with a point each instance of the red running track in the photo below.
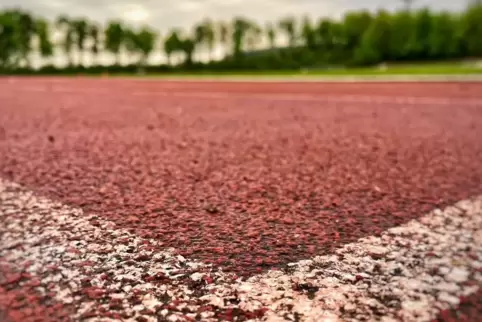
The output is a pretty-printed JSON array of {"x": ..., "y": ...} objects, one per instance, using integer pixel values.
[
  {"x": 412, "y": 89},
  {"x": 243, "y": 182}
]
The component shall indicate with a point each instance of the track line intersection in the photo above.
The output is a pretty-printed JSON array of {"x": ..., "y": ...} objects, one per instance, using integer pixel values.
[
  {"x": 410, "y": 272},
  {"x": 153, "y": 205}
]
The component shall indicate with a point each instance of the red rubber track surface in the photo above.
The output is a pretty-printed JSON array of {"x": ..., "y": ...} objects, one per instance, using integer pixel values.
[
  {"x": 400, "y": 89},
  {"x": 469, "y": 310},
  {"x": 26, "y": 303},
  {"x": 242, "y": 182}
]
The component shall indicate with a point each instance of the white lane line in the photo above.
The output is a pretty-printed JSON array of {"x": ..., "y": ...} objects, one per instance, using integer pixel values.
[
  {"x": 279, "y": 97},
  {"x": 84, "y": 259},
  {"x": 300, "y": 78},
  {"x": 409, "y": 273},
  {"x": 323, "y": 98},
  {"x": 355, "y": 99},
  {"x": 314, "y": 79}
]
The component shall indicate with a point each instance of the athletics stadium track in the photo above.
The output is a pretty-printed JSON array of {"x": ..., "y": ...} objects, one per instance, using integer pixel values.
[{"x": 125, "y": 199}]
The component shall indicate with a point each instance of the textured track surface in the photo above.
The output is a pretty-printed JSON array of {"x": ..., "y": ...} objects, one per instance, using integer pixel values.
[
  {"x": 241, "y": 182},
  {"x": 56, "y": 259},
  {"x": 244, "y": 176}
]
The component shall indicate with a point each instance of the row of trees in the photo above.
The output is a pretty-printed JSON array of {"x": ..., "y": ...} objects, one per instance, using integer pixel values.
[{"x": 359, "y": 38}]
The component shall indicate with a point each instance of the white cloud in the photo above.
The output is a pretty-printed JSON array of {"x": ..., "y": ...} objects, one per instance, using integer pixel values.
[
  {"x": 134, "y": 13},
  {"x": 166, "y": 14}
]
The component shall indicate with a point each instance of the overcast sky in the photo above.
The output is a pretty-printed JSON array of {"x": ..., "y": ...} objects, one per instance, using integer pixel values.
[{"x": 165, "y": 14}]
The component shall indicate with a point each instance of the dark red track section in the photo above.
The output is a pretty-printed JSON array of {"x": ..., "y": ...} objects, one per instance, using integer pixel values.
[
  {"x": 242, "y": 182},
  {"x": 469, "y": 310},
  {"x": 27, "y": 303},
  {"x": 400, "y": 89}
]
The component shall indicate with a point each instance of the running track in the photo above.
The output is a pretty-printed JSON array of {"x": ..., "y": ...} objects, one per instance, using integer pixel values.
[{"x": 228, "y": 182}]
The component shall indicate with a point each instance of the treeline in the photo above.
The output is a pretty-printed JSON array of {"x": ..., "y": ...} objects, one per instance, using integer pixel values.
[{"x": 359, "y": 38}]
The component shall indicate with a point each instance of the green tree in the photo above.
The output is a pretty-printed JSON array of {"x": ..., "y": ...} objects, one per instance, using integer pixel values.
[
  {"x": 130, "y": 44},
  {"x": 359, "y": 37},
  {"x": 42, "y": 30},
  {"x": 271, "y": 35},
  {"x": 326, "y": 33},
  {"x": 309, "y": 34},
  {"x": 144, "y": 42},
  {"x": 210, "y": 36},
  {"x": 355, "y": 24},
  {"x": 470, "y": 30},
  {"x": 443, "y": 39},
  {"x": 172, "y": 44},
  {"x": 115, "y": 39},
  {"x": 94, "y": 35},
  {"x": 401, "y": 40},
  {"x": 204, "y": 36},
  {"x": 240, "y": 28},
  {"x": 23, "y": 31},
  {"x": 200, "y": 36},
  {"x": 287, "y": 25},
  {"x": 81, "y": 29},
  {"x": 9, "y": 40},
  {"x": 199, "y": 33},
  {"x": 420, "y": 40},
  {"x": 223, "y": 34},
  {"x": 375, "y": 43},
  {"x": 331, "y": 40},
  {"x": 253, "y": 37},
  {"x": 187, "y": 46},
  {"x": 69, "y": 35}
]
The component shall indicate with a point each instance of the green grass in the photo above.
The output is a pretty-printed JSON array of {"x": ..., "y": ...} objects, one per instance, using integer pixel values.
[{"x": 421, "y": 69}]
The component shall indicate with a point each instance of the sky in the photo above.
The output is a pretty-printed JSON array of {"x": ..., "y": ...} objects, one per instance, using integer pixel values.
[{"x": 164, "y": 15}]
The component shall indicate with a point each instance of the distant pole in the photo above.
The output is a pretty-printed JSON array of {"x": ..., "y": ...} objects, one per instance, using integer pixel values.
[{"x": 408, "y": 4}]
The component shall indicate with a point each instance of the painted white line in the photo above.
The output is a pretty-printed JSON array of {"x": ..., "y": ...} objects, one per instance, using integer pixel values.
[
  {"x": 315, "y": 79},
  {"x": 87, "y": 259},
  {"x": 409, "y": 273},
  {"x": 355, "y": 99},
  {"x": 394, "y": 78},
  {"x": 278, "y": 97}
]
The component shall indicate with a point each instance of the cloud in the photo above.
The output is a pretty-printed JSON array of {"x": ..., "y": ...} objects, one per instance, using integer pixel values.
[
  {"x": 167, "y": 14},
  {"x": 164, "y": 15}
]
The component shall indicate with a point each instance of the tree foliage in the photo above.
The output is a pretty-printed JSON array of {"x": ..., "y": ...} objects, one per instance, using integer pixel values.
[{"x": 358, "y": 38}]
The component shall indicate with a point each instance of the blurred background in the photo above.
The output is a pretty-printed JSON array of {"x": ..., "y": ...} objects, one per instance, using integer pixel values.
[{"x": 104, "y": 36}]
